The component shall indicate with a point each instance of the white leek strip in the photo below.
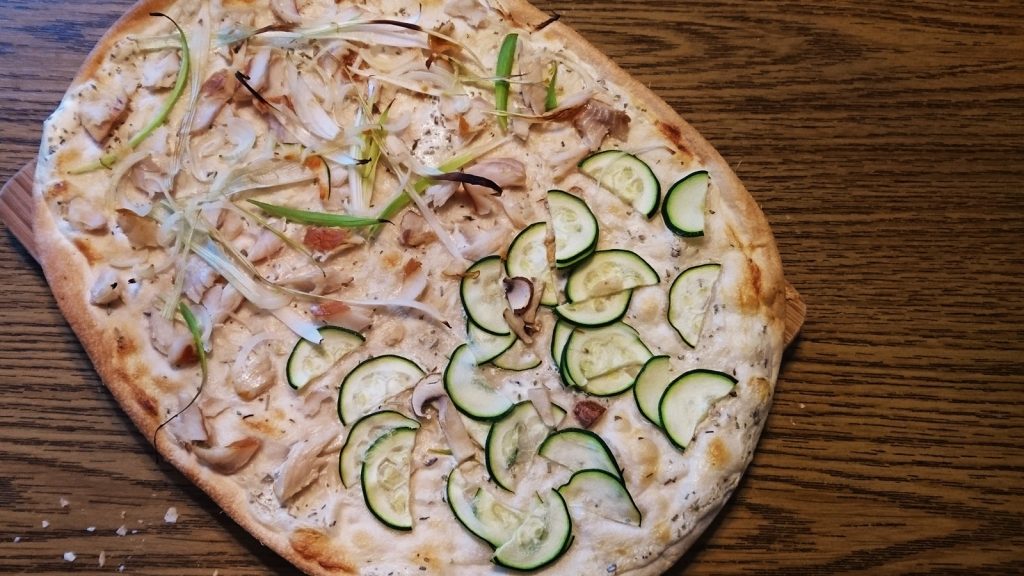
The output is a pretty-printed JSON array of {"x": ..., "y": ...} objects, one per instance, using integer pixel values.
[
  {"x": 243, "y": 134},
  {"x": 202, "y": 315},
  {"x": 197, "y": 70},
  {"x": 430, "y": 311},
  {"x": 156, "y": 43},
  {"x": 270, "y": 174},
  {"x": 184, "y": 239},
  {"x": 250, "y": 289},
  {"x": 299, "y": 324},
  {"x": 114, "y": 198},
  {"x": 431, "y": 219},
  {"x": 308, "y": 110},
  {"x": 390, "y": 64},
  {"x": 250, "y": 344},
  {"x": 411, "y": 86},
  {"x": 359, "y": 201}
]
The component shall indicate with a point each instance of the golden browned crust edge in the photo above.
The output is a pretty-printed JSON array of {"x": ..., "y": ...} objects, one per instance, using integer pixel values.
[
  {"x": 59, "y": 261},
  {"x": 58, "y": 258}
]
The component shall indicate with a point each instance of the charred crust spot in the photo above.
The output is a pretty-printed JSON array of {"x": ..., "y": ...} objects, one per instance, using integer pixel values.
[
  {"x": 145, "y": 403},
  {"x": 718, "y": 454},
  {"x": 87, "y": 250},
  {"x": 755, "y": 275},
  {"x": 316, "y": 546},
  {"x": 674, "y": 135}
]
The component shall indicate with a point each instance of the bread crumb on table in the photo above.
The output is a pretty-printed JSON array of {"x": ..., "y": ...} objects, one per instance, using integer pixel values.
[{"x": 69, "y": 556}]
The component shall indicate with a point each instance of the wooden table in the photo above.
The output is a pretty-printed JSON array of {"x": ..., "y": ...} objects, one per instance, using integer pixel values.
[{"x": 885, "y": 143}]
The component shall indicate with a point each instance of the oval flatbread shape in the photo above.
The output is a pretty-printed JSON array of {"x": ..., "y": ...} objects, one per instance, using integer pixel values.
[{"x": 383, "y": 122}]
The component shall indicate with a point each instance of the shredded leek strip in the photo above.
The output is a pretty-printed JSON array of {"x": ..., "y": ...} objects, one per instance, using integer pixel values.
[
  {"x": 315, "y": 218},
  {"x": 183, "y": 145},
  {"x": 197, "y": 341},
  {"x": 252, "y": 290},
  {"x": 110, "y": 158},
  {"x": 262, "y": 222},
  {"x": 399, "y": 202},
  {"x": 551, "y": 100},
  {"x": 359, "y": 202},
  {"x": 503, "y": 69},
  {"x": 179, "y": 275}
]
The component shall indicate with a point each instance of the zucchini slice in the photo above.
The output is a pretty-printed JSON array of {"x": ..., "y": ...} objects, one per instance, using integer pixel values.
[
  {"x": 478, "y": 510},
  {"x": 528, "y": 257},
  {"x": 512, "y": 444},
  {"x": 609, "y": 272},
  {"x": 467, "y": 386},
  {"x": 363, "y": 434},
  {"x": 308, "y": 361},
  {"x": 559, "y": 336},
  {"x": 685, "y": 204},
  {"x": 601, "y": 493},
  {"x": 575, "y": 228},
  {"x": 518, "y": 357},
  {"x": 604, "y": 361},
  {"x": 687, "y": 400},
  {"x": 579, "y": 449},
  {"x": 596, "y": 312},
  {"x": 541, "y": 539},
  {"x": 385, "y": 477},
  {"x": 374, "y": 381},
  {"x": 486, "y": 346},
  {"x": 688, "y": 300},
  {"x": 625, "y": 176},
  {"x": 483, "y": 296},
  {"x": 650, "y": 386}
]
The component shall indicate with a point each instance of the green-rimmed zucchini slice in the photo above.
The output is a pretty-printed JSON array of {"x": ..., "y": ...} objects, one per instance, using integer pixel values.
[
  {"x": 478, "y": 510},
  {"x": 486, "y": 346},
  {"x": 308, "y": 361},
  {"x": 470, "y": 392},
  {"x": 374, "y": 381},
  {"x": 575, "y": 228},
  {"x": 601, "y": 493},
  {"x": 595, "y": 312},
  {"x": 528, "y": 257},
  {"x": 385, "y": 477},
  {"x": 687, "y": 400},
  {"x": 604, "y": 361},
  {"x": 684, "y": 206},
  {"x": 579, "y": 449},
  {"x": 626, "y": 176},
  {"x": 559, "y": 336},
  {"x": 688, "y": 300},
  {"x": 541, "y": 539},
  {"x": 518, "y": 357},
  {"x": 609, "y": 272},
  {"x": 512, "y": 444},
  {"x": 363, "y": 434},
  {"x": 483, "y": 295},
  {"x": 650, "y": 386}
]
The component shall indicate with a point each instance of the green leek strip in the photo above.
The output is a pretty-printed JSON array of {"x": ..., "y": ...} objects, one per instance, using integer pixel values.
[
  {"x": 197, "y": 340},
  {"x": 110, "y": 158},
  {"x": 316, "y": 218},
  {"x": 373, "y": 151},
  {"x": 197, "y": 336},
  {"x": 502, "y": 71},
  {"x": 454, "y": 163},
  {"x": 551, "y": 101}
]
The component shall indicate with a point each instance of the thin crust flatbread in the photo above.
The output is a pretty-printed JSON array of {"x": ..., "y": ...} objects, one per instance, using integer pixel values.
[{"x": 316, "y": 523}]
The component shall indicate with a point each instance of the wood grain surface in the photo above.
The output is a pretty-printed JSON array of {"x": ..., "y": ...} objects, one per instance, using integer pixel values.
[{"x": 885, "y": 142}]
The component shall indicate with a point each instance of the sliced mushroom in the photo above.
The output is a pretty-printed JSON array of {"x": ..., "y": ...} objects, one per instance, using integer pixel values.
[{"x": 519, "y": 293}]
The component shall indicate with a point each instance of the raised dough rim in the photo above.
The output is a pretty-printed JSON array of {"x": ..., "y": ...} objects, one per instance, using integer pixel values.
[{"x": 58, "y": 257}]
